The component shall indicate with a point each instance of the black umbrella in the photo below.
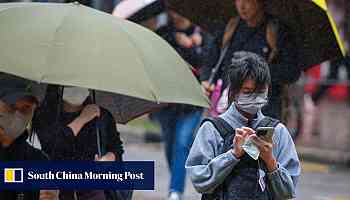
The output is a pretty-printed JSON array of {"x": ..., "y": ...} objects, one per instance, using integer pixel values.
[{"x": 309, "y": 22}]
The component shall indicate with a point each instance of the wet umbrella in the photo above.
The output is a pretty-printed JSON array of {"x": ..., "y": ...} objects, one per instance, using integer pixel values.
[
  {"x": 73, "y": 45},
  {"x": 138, "y": 10},
  {"x": 315, "y": 31}
]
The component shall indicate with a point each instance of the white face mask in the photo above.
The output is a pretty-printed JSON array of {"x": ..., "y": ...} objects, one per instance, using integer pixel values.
[
  {"x": 251, "y": 103},
  {"x": 75, "y": 95},
  {"x": 14, "y": 124}
]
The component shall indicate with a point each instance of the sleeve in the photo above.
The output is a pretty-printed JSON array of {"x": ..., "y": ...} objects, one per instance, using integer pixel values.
[
  {"x": 53, "y": 135},
  {"x": 67, "y": 132},
  {"x": 207, "y": 165},
  {"x": 113, "y": 142},
  {"x": 283, "y": 180},
  {"x": 285, "y": 68}
]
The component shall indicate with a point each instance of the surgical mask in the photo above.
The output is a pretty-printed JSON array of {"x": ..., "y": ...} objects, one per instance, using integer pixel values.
[
  {"x": 251, "y": 103},
  {"x": 14, "y": 124},
  {"x": 75, "y": 95}
]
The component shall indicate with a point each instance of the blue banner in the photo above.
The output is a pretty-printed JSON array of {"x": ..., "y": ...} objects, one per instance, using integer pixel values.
[{"x": 29, "y": 175}]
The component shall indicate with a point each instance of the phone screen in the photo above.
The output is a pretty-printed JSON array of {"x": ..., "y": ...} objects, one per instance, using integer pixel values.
[
  {"x": 261, "y": 133},
  {"x": 265, "y": 132}
]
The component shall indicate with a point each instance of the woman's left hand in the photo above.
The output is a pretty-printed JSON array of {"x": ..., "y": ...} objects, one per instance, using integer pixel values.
[
  {"x": 183, "y": 40},
  {"x": 265, "y": 152},
  {"x": 197, "y": 39},
  {"x": 108, "y": 157}
]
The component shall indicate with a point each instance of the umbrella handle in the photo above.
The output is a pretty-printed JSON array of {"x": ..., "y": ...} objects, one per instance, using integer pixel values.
[
  {"x": 218, "y": 65},
  {"x": 59, "y": 103},
  {"x": 98, "y": 134},
  {"x": 98, "y": 137}
]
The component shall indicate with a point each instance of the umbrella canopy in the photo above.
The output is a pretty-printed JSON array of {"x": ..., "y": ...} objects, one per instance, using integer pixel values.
[
  {"x": 70, "y": 44},
  {"x": 138, "y": 10},
  {"x": 315, "y": 31}
]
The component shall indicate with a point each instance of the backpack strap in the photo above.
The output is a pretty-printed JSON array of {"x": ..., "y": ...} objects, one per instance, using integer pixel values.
[
  {"x": 272, "y": 29},
  {"x": 268, "y": 122},
  {"x": 221, "y": 126},
  {"x": 230, "y": 30}
]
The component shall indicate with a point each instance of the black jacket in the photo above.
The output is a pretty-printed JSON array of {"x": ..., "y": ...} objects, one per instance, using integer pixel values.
[
  {"x": 59, "y": 142},
  {"x": 18, "y": 151}
]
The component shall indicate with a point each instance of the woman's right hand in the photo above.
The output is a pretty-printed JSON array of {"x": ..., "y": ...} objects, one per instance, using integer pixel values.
[
  {"x": 90, "y": 112},
  {"x": 183, "y": 40},
  {"x": 240, "y": 135},
  {"x": 207, "y": 88}
]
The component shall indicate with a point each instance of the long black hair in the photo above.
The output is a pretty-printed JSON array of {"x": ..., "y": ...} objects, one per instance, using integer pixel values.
[{"x": 246, "y": 65}]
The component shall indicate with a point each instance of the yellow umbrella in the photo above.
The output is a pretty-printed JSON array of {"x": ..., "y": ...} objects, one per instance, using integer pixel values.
[{"x": 323, "y": 5}]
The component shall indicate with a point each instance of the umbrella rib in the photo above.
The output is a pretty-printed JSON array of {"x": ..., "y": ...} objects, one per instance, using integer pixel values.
[
  {"x": 152, "y": 88},
  {"x": 54, "y": 38},
  {"x": 20, "y": 5}
]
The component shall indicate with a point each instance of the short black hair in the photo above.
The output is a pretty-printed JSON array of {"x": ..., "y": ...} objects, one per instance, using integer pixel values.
[{"x": 246, "y": 65}]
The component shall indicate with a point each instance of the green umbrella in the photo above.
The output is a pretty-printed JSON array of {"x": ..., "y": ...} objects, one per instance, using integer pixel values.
[{"x": 70, "y": 44}]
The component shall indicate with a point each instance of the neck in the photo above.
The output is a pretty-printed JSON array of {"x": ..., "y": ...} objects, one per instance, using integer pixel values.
[
  {"x": 5, "y": 141},
  {"x": 71, "y": 108},
  {"x": 245, "y": 114},
  {"x": 256, "y": 20},
  {"x": 6, "y": 144}
]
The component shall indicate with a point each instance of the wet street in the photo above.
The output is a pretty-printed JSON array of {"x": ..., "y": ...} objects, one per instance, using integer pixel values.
[{"x": 318, "y": 181}]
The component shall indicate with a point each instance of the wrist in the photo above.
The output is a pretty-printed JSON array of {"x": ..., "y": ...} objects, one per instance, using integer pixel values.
[
  {"x": 271, "y": 164},
  {"x": 238, "y": 154},
  {"x": 77, "y": 125},
  {"x": 81, "y": 120}
]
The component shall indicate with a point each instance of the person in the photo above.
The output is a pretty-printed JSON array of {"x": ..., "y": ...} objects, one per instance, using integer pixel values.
[
  {"x": 187, "y": 39},
  {"x": 219, "y": 167},
  {"x": 68, "y": 131},
  {"x": 178, "y": 122},
  {"x": 255, "y": 31},
  {"x": 17, "y": 105}
]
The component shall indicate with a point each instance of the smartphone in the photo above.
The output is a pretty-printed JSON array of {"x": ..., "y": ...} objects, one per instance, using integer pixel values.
[{"x": 265, "y": 133}]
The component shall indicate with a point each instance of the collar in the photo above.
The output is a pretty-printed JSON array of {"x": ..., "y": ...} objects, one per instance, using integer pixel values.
[
  {"x": 16, "y": 149},
  {"x": 233, "y": 116}
]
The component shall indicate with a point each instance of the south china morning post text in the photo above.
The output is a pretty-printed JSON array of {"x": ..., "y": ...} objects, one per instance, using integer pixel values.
[
  {"x": 130, "y": 175},
  {"x": 63, "y": 175}
]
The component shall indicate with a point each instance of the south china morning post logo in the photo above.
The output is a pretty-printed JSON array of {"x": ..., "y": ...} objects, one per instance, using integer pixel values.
[
  {"x": 13, "y": 175},
  {"x": 134, "y": 175}
]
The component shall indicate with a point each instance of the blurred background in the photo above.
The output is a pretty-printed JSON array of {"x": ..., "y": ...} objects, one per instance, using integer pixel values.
[{"x": 319, "y": 121}]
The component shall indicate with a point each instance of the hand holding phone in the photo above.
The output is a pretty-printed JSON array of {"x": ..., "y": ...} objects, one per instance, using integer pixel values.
[{"x": 265, "y": 133}]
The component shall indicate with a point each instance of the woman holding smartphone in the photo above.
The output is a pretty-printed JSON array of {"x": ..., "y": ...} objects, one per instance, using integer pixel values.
[{"x": 219, "y": 167}]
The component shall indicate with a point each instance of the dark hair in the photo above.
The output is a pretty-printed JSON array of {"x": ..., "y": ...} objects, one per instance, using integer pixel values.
[{"x": 246, "y": 65}]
